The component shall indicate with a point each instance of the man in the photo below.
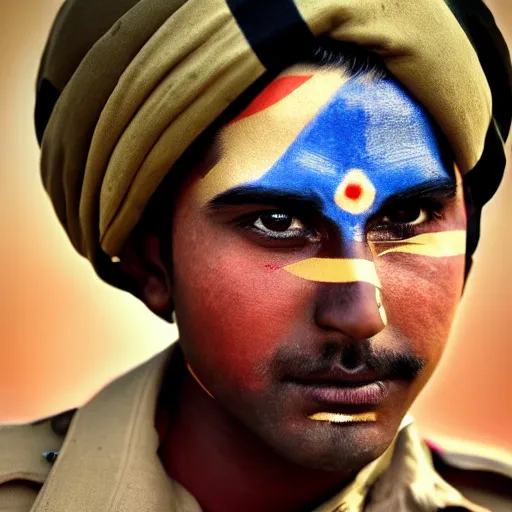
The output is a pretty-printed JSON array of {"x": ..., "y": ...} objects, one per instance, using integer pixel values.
[{"x": 320, "y": 170}]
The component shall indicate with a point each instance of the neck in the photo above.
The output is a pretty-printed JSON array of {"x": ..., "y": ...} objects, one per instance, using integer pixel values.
[{"x": 226, "y": 467}]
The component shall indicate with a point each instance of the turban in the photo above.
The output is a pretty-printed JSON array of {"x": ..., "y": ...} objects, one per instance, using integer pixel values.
[{"x": 126, "y": 86}]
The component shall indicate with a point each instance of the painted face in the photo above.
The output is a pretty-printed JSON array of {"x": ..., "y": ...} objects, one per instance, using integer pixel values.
[{"x": 318, "y": 264}]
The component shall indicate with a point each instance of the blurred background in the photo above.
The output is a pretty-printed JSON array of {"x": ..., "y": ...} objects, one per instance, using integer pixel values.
[{"x": 65, "y": 334}]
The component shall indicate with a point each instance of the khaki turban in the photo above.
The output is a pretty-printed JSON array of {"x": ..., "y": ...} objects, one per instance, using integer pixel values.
[{"x": 126, "y": 86}]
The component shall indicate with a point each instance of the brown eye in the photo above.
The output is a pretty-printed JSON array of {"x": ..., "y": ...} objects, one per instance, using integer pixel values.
[
  {"x": 279, "y": 222},
  {"x": 282, "y": 226},
  {"x": 412, "y": 216}
]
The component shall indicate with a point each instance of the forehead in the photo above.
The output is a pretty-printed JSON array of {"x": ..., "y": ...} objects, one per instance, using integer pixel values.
[{"x": 313, "y": 128}]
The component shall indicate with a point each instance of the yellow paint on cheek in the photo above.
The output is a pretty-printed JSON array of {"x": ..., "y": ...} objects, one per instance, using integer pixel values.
[
  {"x": 335, "y": 270},
  {"x": 436, "y": 245},
  {"x": 196, "y": 378},
  {"x": 380, "y": 305},
  {"x": 364, "y": 417}
]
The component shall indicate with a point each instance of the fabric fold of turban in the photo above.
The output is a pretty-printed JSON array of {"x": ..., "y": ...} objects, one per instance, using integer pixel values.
[{"x": 125, "y": 87}]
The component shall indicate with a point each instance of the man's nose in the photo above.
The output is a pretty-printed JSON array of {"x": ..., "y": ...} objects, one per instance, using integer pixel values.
[{"x": 353, "y": 309}]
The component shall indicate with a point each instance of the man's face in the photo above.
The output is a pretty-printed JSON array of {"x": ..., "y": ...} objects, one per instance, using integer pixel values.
[{"x": 317, "y": 264}]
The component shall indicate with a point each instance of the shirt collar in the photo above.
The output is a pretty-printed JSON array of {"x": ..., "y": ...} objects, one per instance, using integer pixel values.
[{"x": 108, "y": 460}]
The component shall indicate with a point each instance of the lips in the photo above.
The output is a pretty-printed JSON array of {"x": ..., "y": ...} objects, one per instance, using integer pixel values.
[
  {"x": 369, "y": 393},
  {"x": 343, "y": 388}
]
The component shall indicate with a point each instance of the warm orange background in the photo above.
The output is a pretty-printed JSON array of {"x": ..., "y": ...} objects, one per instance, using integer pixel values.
[{"x": 65, "y": 333}]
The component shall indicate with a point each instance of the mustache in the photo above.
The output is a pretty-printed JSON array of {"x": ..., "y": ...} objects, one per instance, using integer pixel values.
[{"x": 350, "y": 357}]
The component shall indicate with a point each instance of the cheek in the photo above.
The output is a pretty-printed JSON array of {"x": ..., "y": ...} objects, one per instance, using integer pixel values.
[
  {"x": 234, "y": 307},
  {"x": 420, "y": 295}
]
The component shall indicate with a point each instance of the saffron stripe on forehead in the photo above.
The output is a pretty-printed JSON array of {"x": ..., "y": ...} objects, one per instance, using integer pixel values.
[
  {"x": 250, "y": 148},
  {"x": 274, "y": 92}
]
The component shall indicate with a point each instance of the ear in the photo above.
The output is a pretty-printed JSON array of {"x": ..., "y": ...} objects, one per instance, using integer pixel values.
[{"x": 141, "y": 260}]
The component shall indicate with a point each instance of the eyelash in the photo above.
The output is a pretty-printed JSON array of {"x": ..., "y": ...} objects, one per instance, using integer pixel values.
[
  {"x": 306, "y": 236},
  {"x": 434, "y": 210}
]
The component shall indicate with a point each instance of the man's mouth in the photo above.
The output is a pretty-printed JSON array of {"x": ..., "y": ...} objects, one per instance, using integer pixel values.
[
  {"x": 328, "y": 392},
  {"x": 348, "y": 383},
  {"x": 339, "y": 387}
]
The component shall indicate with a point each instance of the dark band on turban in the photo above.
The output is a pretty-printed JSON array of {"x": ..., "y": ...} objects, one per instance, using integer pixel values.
[{"x": 126, "y": 86}]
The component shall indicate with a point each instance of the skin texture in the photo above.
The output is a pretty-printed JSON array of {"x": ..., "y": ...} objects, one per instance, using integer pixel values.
[{"x": 325, "y": 241}]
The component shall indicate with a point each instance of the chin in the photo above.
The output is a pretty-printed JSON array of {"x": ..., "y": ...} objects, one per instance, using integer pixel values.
[{"x": 331, "y": 447}]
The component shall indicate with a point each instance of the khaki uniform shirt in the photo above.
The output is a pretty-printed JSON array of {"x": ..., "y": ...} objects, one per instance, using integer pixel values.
[{"x": 108, "y": 462}]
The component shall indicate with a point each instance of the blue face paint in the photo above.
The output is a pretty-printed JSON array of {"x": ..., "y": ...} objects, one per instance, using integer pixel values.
[{"x": 371, "y": 126}]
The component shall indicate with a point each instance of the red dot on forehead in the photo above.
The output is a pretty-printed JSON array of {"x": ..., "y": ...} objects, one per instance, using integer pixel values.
[{"x": 353, "y": 191}]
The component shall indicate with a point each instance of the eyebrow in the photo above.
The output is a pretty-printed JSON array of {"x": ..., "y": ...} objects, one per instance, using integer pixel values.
[
  {"x": 244, "y": 195},
  {"x": 440, "y": 188}
]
